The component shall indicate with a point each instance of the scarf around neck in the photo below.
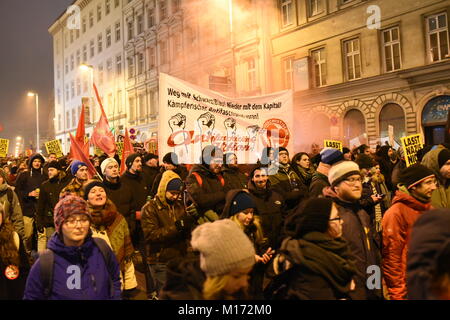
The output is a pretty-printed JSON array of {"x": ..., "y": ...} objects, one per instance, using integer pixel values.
[{"x": 323, "y": 255}]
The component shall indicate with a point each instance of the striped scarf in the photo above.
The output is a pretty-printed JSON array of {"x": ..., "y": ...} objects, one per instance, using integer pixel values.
[{"x": 378, "y": 214}]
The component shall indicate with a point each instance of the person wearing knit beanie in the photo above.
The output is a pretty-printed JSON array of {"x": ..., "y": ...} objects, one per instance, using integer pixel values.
[
  {"x": 130, "y": 162},
  {"x": 414, "y": 175},
  {"x": 364, "y": 161},
  {"x": 76, "y": 165},
  {"x": 443, "y": 157},
  {"x": 226, "y": 255},
  {"x": 68, "y": 207},
  {"x": 330, "y": 156},
  {"x": 319, "y": 181},
  {"x": 91, "y": 184},
  {"x": 150, "y": 156},
  {"x": 171, "y": 158},
  {"x": 175, "y": 185},
  {"x": 54, "y": 164},
  {"x": 341, "y": 171},
  {"x": 313, "y": 216},
  {"x": 107, "y": 162}
]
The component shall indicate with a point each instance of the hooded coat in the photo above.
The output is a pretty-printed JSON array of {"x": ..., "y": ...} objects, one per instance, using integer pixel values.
[
  {"x": 441, "y": 196},
  {"x": 397, "y": 225},
  {"x": 288, "y": 184},
  {"x": 95, "y": 276},
  {"x": 16, "y": 216},
  {"x": 270, "y": 207},
  {"x": 234, "y": 179},
  {"x": 48, "y": 198},
  {"x": 386, "y": 165},
  {"x": 158, "y": 224},
  {"x": 27, "y": 182}
]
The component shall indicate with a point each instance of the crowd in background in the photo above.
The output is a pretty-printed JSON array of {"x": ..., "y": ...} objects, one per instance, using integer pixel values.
[{"x": 328, "y": 225}]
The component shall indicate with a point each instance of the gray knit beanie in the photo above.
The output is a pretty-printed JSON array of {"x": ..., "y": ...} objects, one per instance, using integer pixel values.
[{"x": 223, "y": 247}]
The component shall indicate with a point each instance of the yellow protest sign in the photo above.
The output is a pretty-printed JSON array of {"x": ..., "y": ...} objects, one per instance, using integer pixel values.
[
  {"x": 411, "y": 144},
  {"x": 4, "y": 145},
  {"x": 97, "y": 151},
  {"x": 119, "y": 149},
  {"x": 54, "y": 146},
  {"x": 333, "y": 144}
]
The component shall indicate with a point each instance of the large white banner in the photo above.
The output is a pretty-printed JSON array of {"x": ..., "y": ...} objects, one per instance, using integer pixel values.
[{"x": 190, "y": 118}]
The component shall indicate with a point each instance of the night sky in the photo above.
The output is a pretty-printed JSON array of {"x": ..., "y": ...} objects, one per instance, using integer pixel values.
[{"x": 26, "y": 63}]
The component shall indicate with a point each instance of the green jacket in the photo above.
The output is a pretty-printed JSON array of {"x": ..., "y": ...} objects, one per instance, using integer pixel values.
[{"x": 441, "y": 196}]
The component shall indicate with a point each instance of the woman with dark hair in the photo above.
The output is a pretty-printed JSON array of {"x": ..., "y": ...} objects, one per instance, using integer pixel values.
[
  {"x": 301, "y": 164},
  {"x": 14, "y": 265},
  {"x": 318, "y": 262}
]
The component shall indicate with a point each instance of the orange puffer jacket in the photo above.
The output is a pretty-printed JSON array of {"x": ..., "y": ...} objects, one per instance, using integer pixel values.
[{"x": 397, "y": 224}]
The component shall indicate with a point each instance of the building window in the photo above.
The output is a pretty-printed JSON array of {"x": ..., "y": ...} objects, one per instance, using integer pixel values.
[
  {"x": 116, "y": 3},
  {"x": 118, "y": 31},
  {"x": 107, "y": 7},
  {"x": 67, "y": 92},
  {"x": 71, "y": 36},
  {"x": 119, "y": 101},
  {"x": 354, "y": 125},
  {"x": 72, "y": 62},
  {"x": 84, "y": 25},
  {"x": 85, "y": 56},
  {"x": 352, "y": 59},
  {"x": 78, "y": 57},
  {"x": 315, "y": 7},
  {"x": 131, "y": 102},
  {"x": 119, "y": 65},
  {"x": 100, "y": 43},
  {"x": 100, "y": 74},
  {"x": 320, "y": 67},
  {"x": 85, "y": 84},
  {"x": 91, "y": 19},
  {"x": 391, "y": 52},
  {"x": 67, "y": 119},
  {"x": 109, "y": 69},
  {"x": 142, "y": 106},
  {"x": 150, "y": 18},
  {"x": 151, "y": 57},
  {"x": 287, "y": 11},
  {"x": 78, "y": 86},
  {"x": 130, "y": 30},
  {"x": 74, "y": 118},
  {"x": 99, "y": 13},
  {"x": 437, "y": 39},
  {"x": 66, "y": 66},
  {"x": 78, "y": 33},
  {"x": 58, "y": 71},
  {"x": 58, "y": 96},
  {"x": 141, "y": 62},
  {"x": 59, "y": 122},
  {"x": 92, "y": 47},
  {"x": 162, "y": 10},
  {"x": 152, "y": 103},
  {"x": 57, "y": 47},
  {"x": 163, "y": 52},
  {"x": 66, "y": 40},
  {"x": 251, "y": 74},
  {"x": 108, "y": 37},
  {"x": 140, "y": 24},
  {"x": 72, "y": 89},
  {"x": 288, "y": 72},
  {"x": 130, "y": 61},
  {"x": 392, "y": 114}
]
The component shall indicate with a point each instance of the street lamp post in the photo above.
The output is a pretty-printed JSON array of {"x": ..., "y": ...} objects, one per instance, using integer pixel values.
[{"x": 34, "y": 94}]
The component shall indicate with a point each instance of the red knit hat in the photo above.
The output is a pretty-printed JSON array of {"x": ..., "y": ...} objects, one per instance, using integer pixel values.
[{"x": 67, "y": 206}]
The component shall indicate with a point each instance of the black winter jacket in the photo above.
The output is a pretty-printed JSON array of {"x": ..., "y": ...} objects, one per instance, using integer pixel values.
[
  {"x": 319, "y": 181},
  {"x": 234, "y": 179},
  {"x": 26, "y": 182}
]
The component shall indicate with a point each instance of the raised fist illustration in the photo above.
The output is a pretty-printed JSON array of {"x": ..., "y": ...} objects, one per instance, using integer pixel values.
[
  {"x": 252, "y": 131},
  {"x": 206, "y": 123},
  {"x": 177, "y": 122},
  {"x": 230, "y": 125}
]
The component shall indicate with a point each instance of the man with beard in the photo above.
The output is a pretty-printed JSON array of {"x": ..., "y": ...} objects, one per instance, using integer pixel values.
[
  {"x": 80, "y": 172},
  {"x": 28, "y": 185},
  {"x": 48, "y": 198},
  {"x": 417, "y": 184},
  {"x": 287, "y": 182},
  {"x": 269, "y": 204},
  {"x": 234, "y": 179},
  {"x": 346, "y": 190}
]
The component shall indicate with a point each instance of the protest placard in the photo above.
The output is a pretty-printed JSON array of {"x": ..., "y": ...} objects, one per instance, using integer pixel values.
[
  {"x": 411, "y": 144},
  {"x": 54, "y": 146},
  {"x": 4, "y": 145},
  {"x": 332, "y": 144}
]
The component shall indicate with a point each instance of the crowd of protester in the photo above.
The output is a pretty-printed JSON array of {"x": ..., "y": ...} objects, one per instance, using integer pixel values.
[{"x": 330, "y": 225}]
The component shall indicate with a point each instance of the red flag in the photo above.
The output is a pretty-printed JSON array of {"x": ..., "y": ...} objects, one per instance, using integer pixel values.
[
  {"x": 79, "y": 137},
  {"x": 78, "y": 154},
  {"x": 102, "y": 137},
  {"x": 127, "y": 150}
]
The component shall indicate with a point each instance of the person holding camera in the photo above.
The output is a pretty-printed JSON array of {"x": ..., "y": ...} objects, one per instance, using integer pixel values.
[
  {"x": 416, "y": 187},
  {"x": 166, "y": 226}
]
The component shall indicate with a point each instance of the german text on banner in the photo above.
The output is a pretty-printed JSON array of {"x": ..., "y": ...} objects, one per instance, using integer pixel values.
[
  {"x": 332, "y": 144},
  {"x": 192, "y": 117},
  {"x": 4, "y": 145},
  {"x": 411, "y": 144},
  {"x": 54, "y": 146}
]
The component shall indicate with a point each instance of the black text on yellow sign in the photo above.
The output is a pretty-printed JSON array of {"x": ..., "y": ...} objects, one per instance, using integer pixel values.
[
  {"x": 54, "y": 146},
  {"x": 411, "y": 144},
  {"x": 333, "y": 144},
  {"x": 4, "y": 145}
]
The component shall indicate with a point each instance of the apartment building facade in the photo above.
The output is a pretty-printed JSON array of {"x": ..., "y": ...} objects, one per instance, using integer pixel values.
[{"x": 352, "y": 78}]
